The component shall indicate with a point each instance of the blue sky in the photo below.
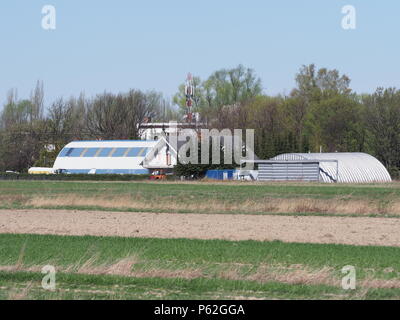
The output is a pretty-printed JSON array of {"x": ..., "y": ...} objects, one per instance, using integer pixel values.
[{"x": 116, "y": 45}]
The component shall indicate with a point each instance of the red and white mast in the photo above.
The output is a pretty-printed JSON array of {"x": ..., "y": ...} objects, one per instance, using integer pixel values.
[{"x": 189, "y": 93}]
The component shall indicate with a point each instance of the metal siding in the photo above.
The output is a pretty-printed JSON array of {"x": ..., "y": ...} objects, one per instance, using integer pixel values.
[
  {"x": 288, "y": 171},
  {"x": 352, "y": 167}
]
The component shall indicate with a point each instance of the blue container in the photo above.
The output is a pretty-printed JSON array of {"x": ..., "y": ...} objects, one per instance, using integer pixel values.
[{"x": 219, "y": 174}]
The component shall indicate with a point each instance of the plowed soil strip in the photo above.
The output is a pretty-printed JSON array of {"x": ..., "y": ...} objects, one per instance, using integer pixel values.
[{"x": 340, "y": 230}]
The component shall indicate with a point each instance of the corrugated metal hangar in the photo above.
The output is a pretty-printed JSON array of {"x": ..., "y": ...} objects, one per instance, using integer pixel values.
[
  {"x": 288, "y": 170},
  {"x": 324, "y": 167}
]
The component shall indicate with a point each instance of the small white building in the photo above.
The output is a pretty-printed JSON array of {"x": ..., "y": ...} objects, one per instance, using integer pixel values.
[
  {"x": 115, "y": 157},
  {"x": 155, "y": 130}
]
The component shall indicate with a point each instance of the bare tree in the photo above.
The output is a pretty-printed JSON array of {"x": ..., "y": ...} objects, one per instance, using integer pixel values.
[
  {"x": 119, "y": 116},
  {"x": 37, "y": 101}
]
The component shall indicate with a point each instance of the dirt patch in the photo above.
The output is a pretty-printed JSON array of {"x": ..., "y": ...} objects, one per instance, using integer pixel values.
[
  {"x": 340, "y": 230},
  {"x": 295, "y": 276},
  {"x": 381, "y": 284}
]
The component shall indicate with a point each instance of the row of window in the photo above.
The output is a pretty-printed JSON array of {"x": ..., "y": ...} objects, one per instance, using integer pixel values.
[{"x": 103, "y": 152}]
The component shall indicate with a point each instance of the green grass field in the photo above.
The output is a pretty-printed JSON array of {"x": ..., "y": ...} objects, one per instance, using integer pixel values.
[
  {"x": 138, "y": 268},
  {"x": 192, "y": 269},
  {"x": 240, "y": 191},
  {"x": 22, "y": 285},
  {"x": 313, "y": 199}
]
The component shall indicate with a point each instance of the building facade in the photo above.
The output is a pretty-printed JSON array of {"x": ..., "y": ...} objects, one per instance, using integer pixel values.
[
  {"x": 324, "y": 167},
  {"x": 115, "y": 157}
]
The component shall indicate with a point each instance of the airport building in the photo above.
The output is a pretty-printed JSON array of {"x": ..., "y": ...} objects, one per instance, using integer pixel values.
[
  {"x": 115, "y": 157},
  {"x": 324, "y": 167}
]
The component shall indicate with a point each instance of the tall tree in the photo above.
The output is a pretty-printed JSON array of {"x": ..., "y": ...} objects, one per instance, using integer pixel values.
[
  {"x": 383, "y": 123},
  {"x": 314, "y": 85},
  {"x": 119, "y": 116},
  {"x": 335, "y": 124},
  {"x": 225, "y": 88},
  {"x": 37, "y": 101}
]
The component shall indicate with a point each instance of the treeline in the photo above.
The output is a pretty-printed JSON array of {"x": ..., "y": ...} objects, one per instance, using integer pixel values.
[
  {"x": 32, "y": 135},
  {"x": 321, "y": 113}
]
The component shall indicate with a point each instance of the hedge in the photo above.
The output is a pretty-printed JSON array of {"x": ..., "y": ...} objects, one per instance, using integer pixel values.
[{"x": 74, "y": 177}]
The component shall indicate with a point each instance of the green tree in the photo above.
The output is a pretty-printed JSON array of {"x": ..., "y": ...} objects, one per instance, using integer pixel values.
[
  {"x": 335, "y": 124},
  {"x": 21, "y": 136},
  {"x": 223, "y": 89},
  {"x": 383, "y": 124},
  {"x": 314, "y": 85}
]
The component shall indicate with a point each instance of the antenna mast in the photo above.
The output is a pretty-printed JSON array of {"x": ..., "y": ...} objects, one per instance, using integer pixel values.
[{"x": 190, "y": 95}]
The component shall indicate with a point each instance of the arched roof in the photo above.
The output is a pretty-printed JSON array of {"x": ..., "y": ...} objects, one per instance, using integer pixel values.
[
  {"x": 352, "y": 167},
  {"x": 105, "y": 156}
]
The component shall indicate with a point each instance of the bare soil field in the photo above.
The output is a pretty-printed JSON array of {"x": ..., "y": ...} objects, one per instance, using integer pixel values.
[{"x": 312, "y": 229}]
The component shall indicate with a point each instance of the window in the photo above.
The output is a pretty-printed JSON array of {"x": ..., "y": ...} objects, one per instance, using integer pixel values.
[
  {"x": 143, "y": 152},
  {"x": 105, "y": 152},
  {"x": 63, "y": 152},
  {"x": 75, "y": 152},
  {"x": 137, "y": 152},
  {"x": 91, "y": 152},
  {"x": 133, "y": 152},
  {"x": 120, "y": 152}
]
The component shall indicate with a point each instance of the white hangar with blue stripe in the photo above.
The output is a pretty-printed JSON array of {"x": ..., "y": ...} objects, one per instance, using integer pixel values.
[{"x": 115, "y": 157}]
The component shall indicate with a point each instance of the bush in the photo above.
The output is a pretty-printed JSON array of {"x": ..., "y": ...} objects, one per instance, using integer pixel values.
[{"x": 395, "y": 173}]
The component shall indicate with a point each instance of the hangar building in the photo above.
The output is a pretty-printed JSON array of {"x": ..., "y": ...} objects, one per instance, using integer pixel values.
[
  {"x": 323, "y": 167},
  {"x": 115, "y": 157}
]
